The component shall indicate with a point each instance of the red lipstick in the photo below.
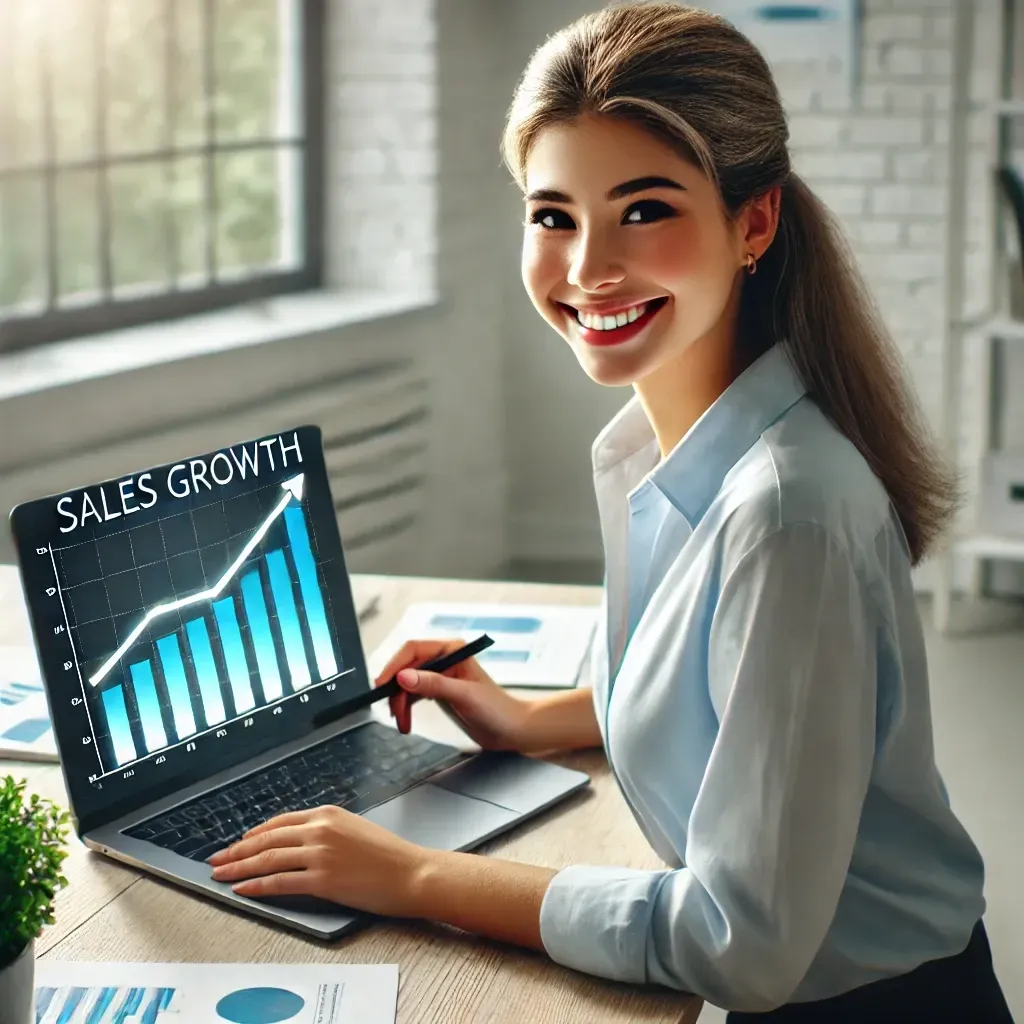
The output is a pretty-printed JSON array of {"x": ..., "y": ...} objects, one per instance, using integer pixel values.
[{"x": 619, "y": 335}]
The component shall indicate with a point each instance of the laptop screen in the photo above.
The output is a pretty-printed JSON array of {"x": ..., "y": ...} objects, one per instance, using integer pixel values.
[{"x": 188, "y": 616}]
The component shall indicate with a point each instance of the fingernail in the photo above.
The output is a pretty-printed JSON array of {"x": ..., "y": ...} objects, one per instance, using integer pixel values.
[{"x": 409, "y": 677}]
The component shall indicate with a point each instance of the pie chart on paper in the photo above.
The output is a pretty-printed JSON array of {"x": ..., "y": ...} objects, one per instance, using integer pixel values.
[{"x": 259, "y": 1006}]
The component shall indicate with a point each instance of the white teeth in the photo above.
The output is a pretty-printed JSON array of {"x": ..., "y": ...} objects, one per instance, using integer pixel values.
[{"x": 596, "y": 322}]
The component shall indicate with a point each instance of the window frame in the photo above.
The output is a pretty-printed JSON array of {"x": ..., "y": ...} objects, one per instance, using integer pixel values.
[{"x": 111, "y": 312}]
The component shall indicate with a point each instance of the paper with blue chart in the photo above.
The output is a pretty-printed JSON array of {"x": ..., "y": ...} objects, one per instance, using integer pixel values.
[
  {"x": 69, "y": 992},
  {"x": 543, "y": 646},
  {"x": 25, "y": 731}
]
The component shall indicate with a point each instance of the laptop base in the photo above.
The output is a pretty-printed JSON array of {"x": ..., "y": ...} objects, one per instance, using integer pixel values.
[{"x": 458, "y": 809}]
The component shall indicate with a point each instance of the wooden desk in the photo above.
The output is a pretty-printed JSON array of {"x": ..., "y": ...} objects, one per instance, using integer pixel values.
[{"x": 111, "y": 912}]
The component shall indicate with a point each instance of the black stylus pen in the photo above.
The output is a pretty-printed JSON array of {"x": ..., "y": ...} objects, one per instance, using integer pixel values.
[{"x": 391, "y": 687}]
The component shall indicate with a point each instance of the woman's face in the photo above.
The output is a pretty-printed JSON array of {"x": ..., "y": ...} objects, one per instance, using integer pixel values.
[{"x": 627, "y": 251}]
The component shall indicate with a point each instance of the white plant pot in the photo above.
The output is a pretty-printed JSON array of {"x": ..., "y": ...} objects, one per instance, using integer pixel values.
[{"x": 17, "y": 988}]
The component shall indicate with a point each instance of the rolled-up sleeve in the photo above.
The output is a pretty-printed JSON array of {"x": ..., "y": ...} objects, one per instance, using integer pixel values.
[{"x": 792, "y": 676}]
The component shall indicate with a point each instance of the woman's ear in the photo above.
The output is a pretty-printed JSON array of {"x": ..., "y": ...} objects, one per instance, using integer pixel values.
[{"x": 758, "y": 223}]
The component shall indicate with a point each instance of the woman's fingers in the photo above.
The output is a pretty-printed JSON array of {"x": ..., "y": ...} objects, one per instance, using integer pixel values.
[
  {"x": 266, "y": 862},
  {"x": 414, "y": 652},
  {"x": 288, "y": 834},
  {"x": 284, "y": 883},
  {"x": 403, "y": 712},
  {"x": 284, "y": 820}
]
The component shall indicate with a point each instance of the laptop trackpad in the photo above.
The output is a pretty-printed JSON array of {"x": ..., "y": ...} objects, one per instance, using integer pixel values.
[{"x": 437, "y": 818}]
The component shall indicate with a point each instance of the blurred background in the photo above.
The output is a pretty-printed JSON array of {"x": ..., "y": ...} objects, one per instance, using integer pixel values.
[{"x": 221, "y": 218}]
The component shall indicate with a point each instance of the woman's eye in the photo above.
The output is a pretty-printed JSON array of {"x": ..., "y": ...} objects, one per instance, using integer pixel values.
[
  {"x": 646, "y": 211},
  {"x": 552, "y": 219}
]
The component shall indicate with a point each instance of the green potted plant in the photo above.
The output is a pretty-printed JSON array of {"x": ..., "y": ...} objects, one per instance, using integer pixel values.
[{"x": 32, "y": 851}]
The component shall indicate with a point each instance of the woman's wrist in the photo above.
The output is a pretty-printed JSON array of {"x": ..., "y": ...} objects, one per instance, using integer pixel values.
[
  {"x": 424, "y": 863},
  {"x": 482, "y": 895},
  {"x": 562, "y": 721}
]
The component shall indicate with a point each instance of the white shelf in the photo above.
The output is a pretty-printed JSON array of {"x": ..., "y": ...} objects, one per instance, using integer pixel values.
[
  {"x": 995, "y": 323},
  {"x": 1004, "y": 327},
  {"x": 1008, "y": 108},
  {"x": 985, "y": 545}
]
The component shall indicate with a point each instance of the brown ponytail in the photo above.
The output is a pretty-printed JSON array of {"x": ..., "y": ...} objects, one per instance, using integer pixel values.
[
  {"x": 813, "y": 296},
  {"x": 694, "y": 81}
]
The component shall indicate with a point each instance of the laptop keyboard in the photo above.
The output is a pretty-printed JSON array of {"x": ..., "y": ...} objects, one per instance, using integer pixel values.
[{"x": 355, "y": 770}]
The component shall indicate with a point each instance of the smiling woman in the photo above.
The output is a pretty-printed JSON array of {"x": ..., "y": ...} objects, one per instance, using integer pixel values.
[
  {"x": 640, "y": 229},
  {"x": 760, "y": 686}
]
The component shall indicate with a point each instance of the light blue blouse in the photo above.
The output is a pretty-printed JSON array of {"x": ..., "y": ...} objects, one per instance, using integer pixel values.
[{"x": 762, "y": 691}]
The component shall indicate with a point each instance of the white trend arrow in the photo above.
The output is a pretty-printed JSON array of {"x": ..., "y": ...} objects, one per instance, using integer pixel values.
[{"x": 293, "y": 489}]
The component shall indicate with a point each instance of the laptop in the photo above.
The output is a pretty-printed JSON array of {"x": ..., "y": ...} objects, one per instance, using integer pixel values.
[{"x": 195, "y": 624}]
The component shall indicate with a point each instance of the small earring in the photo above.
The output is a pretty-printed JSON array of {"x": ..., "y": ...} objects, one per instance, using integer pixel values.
[{"x": 751, "y": 264}]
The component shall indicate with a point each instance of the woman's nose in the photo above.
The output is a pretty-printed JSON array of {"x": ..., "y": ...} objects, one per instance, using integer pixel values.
[{"x": 594, "y": 265}]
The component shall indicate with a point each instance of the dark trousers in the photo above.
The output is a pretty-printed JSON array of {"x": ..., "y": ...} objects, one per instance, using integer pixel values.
[{"x": 960, "y": 989}]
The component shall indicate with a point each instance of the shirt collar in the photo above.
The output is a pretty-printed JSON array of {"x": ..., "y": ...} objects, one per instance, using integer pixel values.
[{"x": 692, "y": 473}]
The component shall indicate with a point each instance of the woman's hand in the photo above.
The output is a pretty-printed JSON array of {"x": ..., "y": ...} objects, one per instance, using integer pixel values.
[
  {"x": 326, "y": 852},
  {"x": 335, "y": 855},
  {"x": 489, "y": 715}
]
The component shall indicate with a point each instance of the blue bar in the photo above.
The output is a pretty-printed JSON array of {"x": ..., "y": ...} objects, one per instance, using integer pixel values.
[
  {"x": 309, "y": 587},
  {"x": 177, "y": 685},
  {"x": 288, "y": 617},
  {"x": 160, "y": 1001},
  {"x": 26, "y": 687},
  {"x": 793, "y": 12},
  {"x": 234, "y": 654},
  {"x": 74, "y": 997},
  {"x": 44, "y": 996},
  {"x": 262, "y": 638},
  {"x": 206, "y": 670},
  {"x": 117, "y": 724},
  {"x": 98, "y": 1013},
  {"x": 129, "y": 1005},
  {"x": 149, "y": 706},
  {"x": 487, "y": 623},
  {"x": 27, "y": 731},
  {"x": 498, "y": 654}
]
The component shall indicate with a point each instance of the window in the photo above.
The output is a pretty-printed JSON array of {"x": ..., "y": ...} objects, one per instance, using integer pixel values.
[{"x": 157, "y": 158}]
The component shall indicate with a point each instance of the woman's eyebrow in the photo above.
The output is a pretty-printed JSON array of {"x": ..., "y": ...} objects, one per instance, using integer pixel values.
[
  {"x": 547, "y": 195},
  {"x": 627, "y": 188}
]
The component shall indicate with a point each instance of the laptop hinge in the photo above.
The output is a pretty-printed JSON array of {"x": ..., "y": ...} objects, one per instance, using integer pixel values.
[{"x": 181, "y": 792}]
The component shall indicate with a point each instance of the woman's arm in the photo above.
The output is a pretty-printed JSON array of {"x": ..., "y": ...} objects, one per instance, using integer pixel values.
[
  {"x": 348, "y": 859},
  {"x": 563, "y": 721},
  {"x": 485, "y": 711},
  {"x": 336, "y": 855},
  {"x": 495, "y": 898},
  {"x": 769, "y": 839}
]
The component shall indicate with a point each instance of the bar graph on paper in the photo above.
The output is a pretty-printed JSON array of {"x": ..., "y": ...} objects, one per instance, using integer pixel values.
[
  {"x": 189, "y": 622},
  {"x": 108, "y": 1005}
]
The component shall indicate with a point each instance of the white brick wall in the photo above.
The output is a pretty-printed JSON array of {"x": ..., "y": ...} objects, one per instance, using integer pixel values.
[
  {"x": 416, "y": 102},
  {"x": 382, "y": 144},
  {"x": 881, "y": 166}
]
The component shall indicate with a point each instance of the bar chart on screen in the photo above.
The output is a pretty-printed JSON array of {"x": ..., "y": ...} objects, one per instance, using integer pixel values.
[{"x": 197, "y": 620}]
